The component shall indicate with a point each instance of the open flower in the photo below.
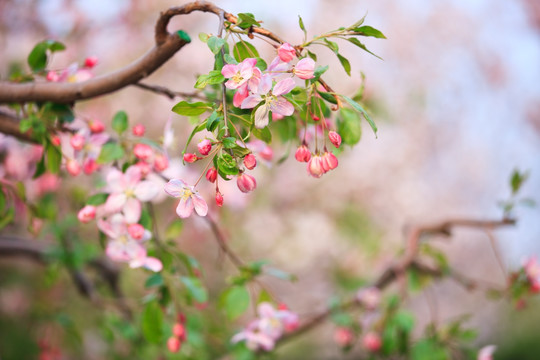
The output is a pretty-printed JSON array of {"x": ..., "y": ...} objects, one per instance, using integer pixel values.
[
  {"x": 189, "y": 198},
  {"x": 271, "y": 98},
  {"x": 239, "y": 74}
]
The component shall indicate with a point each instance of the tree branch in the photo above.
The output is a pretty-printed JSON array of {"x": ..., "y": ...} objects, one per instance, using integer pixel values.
[{"x": 9, "y": 125}]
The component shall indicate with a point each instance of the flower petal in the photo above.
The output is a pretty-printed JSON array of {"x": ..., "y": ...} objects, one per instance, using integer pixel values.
[
  {"x": 132, "y": 176},
  {"x": 229, "y": 70},
  {"x": 175, "y": 187},
  {"x": 282, "y": 107},
  {"x": 250, "y": 102},
  {"x": 132, "y": 210},
  {"x": 283, "y": 87},
  {"x": 152, "y": 263},
  {"x": 185, "y": 207},
  {"x": 146, "y": 190},
  {"x": 200, "y": 205},
  {"x": 261, "y": 116},
  {"x": 265, "y": 85},
  {"x": 114, "y": 202}
]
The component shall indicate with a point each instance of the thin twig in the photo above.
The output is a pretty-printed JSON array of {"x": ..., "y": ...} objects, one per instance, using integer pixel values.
[{"x": 171, "y": 94}]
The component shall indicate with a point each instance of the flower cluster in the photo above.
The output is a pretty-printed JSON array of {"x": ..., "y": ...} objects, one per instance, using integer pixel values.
[
  {"x": 271, "y": 324},
  {"x": 178, "y": 335},
  {"x": 74, "y": 73}
]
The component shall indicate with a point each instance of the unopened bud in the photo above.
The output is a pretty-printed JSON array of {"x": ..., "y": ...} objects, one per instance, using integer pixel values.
[
  {"x": 161, "y": 163},
  {"x": 372, "y": 341},
  {"x": 89, "y": 166},
  {"x": 302, "y": 154},
  {"x": 73, "y": 167},
  {"x": 144, "y": 168},
  {"x": 335, "y": 138},
  {"x": 139, "y": 130},
  {"x": 250, "y": 161},
  {"x": 179, "y": 331},
  {"x": 211, "y": 174},
  {"x": 315, "y": 167},
  {"x": 343, "y": 336},
  {"x": 190, "y": 158},
  {"x": 77, "y": 142},
  {"x": 246, "y": 183},
  {"x": 52, "y": 76},
  {"x": 142, "y": 151},
  {"x": 219, "y": 199},
  {"x": 87, "y": 214},
  {"x": 96, "y": 126},
  {"x": 329, "y": 161},
  {"x": 204, "y": 147},
  {"x": 173, "y": 344},
  {"x": 90, "y": 61},
  {"x": 136, "y": 231}
]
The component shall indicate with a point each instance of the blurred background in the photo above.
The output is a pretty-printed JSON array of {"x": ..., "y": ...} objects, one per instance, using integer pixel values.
[{"x": 457, "y": 103}]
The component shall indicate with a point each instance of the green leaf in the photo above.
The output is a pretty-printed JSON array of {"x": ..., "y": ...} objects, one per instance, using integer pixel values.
[
  {"x": 215, "y": 44},
  {"x": 154, "y": 280},
  {"x": 203, "y": 37},
  {"x": 110, "y": 152},
  {"x": 369, "y": 31},
  {"x": 318, "y": 72},
  {"x": 213, "y": 121},
  {"x": 197, "y": 129},
  {"x": 63, "y": 112},
  {"x": 195, "y": 288},
  {"x": 331, "y": 45},
  {"x": 97, "y": 199},
  {"x": 427, "y": 349},
  {"x": 357, "y": 42},
  {"x": 229, "y": 142},
  {"x": 120, "y": 122},
  {"x": 235, "y": 301},
  {"x": 261, "y": 64},
  {"x": 301, "y": 24},
  {"x": 227, "y": 165},
  {"x": 517, "y": 180},
  {"x": 247, "y": 20},
  {"x": 152, "y": 323},
  {"x": 214, "y": 77},
  {"x": 312, "y": 55},
  {"x": 359, "y": 108},
  {"x": 328, "y": 97},
  {"x": 37, "y": 59},
  {"x": 7, "y": 217},
  {"x": 230, "y": 60},
  {"x": 263, "y": 134},
  {"x": 174, "y": 229},
  {"x": 345, "y": 63},
  {"x": 54, "y": 159},
  {"x": 349, "y": 126},
  {"x": 184, "y": 36},
  {"x": 191, "y": 109},
  {"x": 243, "y": 50}
]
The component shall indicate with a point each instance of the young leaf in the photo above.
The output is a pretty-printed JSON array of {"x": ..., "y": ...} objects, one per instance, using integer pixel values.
[
  {"x": 359, "y": 108},
  {"x": 517, "y": 180},
  {"x": 349, "y": 126},
  {"x": 357, "y": 42},
  {"x": 369, "y": 31},
  {"x": 191, "y": 109},
  {"x": 213, "y": 121},
  {"x": 318, "y": 72},
  {"x": 227, "y": 165},
  {"x": 235, "y": 301},
  {"x": 215, "y": 44},
  {"x": 110, "y": 152},
  {"x": 331, "y": 45},
  {"x": 345, "y": 63},
  {"x": 195, "y": 288},
  {"x": 263, "y": 134},
  {"x": 243, "y": 50},
  {"x": 214, "y": 77},
  {"x": 247, "y": 20},
  {"x": 97, "y": 199},
  {"x": 120, "y": 122},
  {"x": 152, "y": 323},
  {"x": 301, "y": 24},
  {"x": 328, "y": 97},
  {"x": 198, "y": 128},
  {"x": 54, "y": 159},
  {"x": 37, "y": 59},
  {"x": 184, "y": 36},
  {"x": 312, "y": 55}
]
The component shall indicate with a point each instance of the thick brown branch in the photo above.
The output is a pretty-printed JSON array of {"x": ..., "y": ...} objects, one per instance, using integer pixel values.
[{"x": 9, "y": 125}]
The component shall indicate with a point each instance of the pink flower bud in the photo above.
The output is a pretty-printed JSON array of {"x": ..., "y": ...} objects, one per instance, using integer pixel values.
[
  {"x": 302, "y": 154},
  {"x": 161, "y": 163},
  {"x": 190, "y": 158},
  {"x": 139, "y": 130},
  {"x": 136, "y": 231},
  {"x": 179, "y": 331},
  {"x": 315, "y": 167},
  {"x": 267, "y": 153},
  {"x": 87, "y": 214},
  {"x": 144, "y": 168},
  {"x": 73, "y": 167},
  {"x": 96, "y": 127},
  {"x": 77, "y": 141},
  {"x": 315, "y": 117},
  {"x": 219, "y": 199},
  {"x": 250, "y": 162},
  {"x": 286, "y": 52},
  {"x": 90, "y": 166},
  {"x": 343, "y": 336},
  {"x": 55, "y": 140},
  {"x": 246, "y": 183},
  {"x": 90, "y": 61},
  {"x": 204, "y": 147},
  {"x": 52, "y": 76},
  {"x": 369, "y": 297},
  {"x": 173, "y": 344},
  {"x": 304, "y": 69},
  {"x": 211, "y": 174},
  {"x": 486, "y": 353},
  {"x": 372, "y": 341},
  {"x": 142, "y": 151},
  {"x": 329, "y": 161},
  {"x": 335, "y": 139}
]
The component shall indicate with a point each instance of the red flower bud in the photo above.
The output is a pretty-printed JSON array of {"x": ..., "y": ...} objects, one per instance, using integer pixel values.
[
  {"x": 90, "y": 61},
  {"x": 179, "y": 331},
  {"x": 190, "y": 158},
  {"x": 302, "y": 154},
  {"x": 219, "y": 199},
  {"x": 173, "y": 344},
  {"x": 246, "y": 183},
  {"x": 86, "y": 214},
  {"x": 335, "y": 138},
  {"x": 343, "y": 336},
  {"x": 55, "y": 140},
  {"x": 161, "y": 162},
  {"x": 204, "y": 147},
  {"x": 144, "y": 167},
  {"x": 73, "y": 167},
  {"x": 96, "y": 126},
  {"x": 211, "y": 174},
  {"x": 89, "y": 166},
  {"x": 372, "y": 341},
  {"x": 136, "y": 231},
  {"x": 329, "y": 161},
  {"x": 138, "y": 130},
  {"x": 77, "y": 141},
  {"x": 52, "y": 76},
  {"x": 250, "y": 162},
  {"x": 142, "y": 151}
]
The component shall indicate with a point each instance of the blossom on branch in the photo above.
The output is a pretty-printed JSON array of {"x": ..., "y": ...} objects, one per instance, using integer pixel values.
[{"x": 189, "y": 198}]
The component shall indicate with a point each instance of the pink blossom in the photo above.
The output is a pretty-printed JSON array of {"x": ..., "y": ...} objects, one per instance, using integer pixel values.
[
  {"x": 304, "y": 69},
  {"x": 136, "y": 231},
  {"x": 250, "y": 161},
  {"x": 277, "y": 67},
  {"x": 87, "y": 214},
  {"x": 246, "y": 183},
  {"x": 486, "y": 353},
  {"x": 96, "y": 126},
  {"x": 343, "y": 336},
  {"x": 211, "y": 174},
  {"x": 138, "y": 130},
  {"x": 127, "y": 191},
  {"x": 73, "y": 167},
  {"x": 204, "y": 147},
  {"x": 261, "y": 149},
  {"x": 142, "y": 151},
  {"x": 90, "y": 61},
  {"x": 329, "y": 161},
  {"x": 52, "y": 76},
  {"x": 302, "y": 154},
  {"x": 77, "y": 142},
  {"x": 286, "y": 52},
  {"x": 189, "y": 198},
  {"x": 190, "y": 157},
  {"x": 238, "y": 74},
  {"x": 89, "y": 166},
  {"x": 161, "y": 162},
  {"x": 271, "y": 100},
  {"x": 369, "y": 297},
  {"x": 335, "y": 138},
  {"x": 372, "y": 341},
  {"x": 173, "y": 344},
  {"x": 315, "y": 167},
  {"x": 144, "y": 168},
  {"x": 254, "y": 340},
  {"x": 532, "y": 269}
]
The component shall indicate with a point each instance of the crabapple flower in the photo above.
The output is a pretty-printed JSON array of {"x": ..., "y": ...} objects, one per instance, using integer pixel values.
[
  {"x": 246, "y": 183},
  {"x": 343, "y": 336},
  {"x": 335, "y": 138},
  {"x": 142, "y": 151},
  {"x": 239, "y": 74},
  {"x": 189, "y": 198},
  {"x": 286, "y": 52},
  {"x": 87, "y": 214},
  {"x": 315, "y": 166},
  {"x": 90, "y": 61},
  {"x": 302, "y": 154},
  {"x": 304, "y": 69},
  {"x": 96, "y": 126},
  {"x": 271, "y": 100},
  {"x": 329, "y": 161},
  {"x": 173, "y": 344},
  {"x": 204, "y": 147},
  {"x": 486, "y": 353},
  {"x": 77, "y": 141},
  {"x": 250, "y": 161},
  {"x": 254, "y": 339},
  {"x": 138, "y": 130},
  {"x": 127, "y": 191},
  {"x": 369, "y": 297},
  {"x": 190, "y": 157},
  {"x": 372, "y": 341}
]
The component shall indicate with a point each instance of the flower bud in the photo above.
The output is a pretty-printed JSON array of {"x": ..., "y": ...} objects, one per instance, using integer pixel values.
[
  {"x": 139, "y": 130},
  {"x": 142, "y": 151},
  {"x": 250, "y": 162},
  {"x": 369, "y": 297},
  {"x": 173, "y": 344},
  {"x": 190, "y": 158},
  {"x": 136, "y": 231},
  {"x": 302, "y": 154},
  {"x": 161, "y": 163},
  {"x": 77, "y": 142},
  {"x": 96, "y": 126},
  {"x": 144, "y": 168},
  {"x": 211, "y": 174},
  {"x": 179, "y": 331},
  {"x": 219, "y": 199},
  {"x": 343, "y": 336},
  {"x": 315, "y": 167},
  {"x": 286, "y": 52},
  {"x": 52, "y": 76},
  {"x": 246, "y": 183},
  {"x": 90, "y": 61},
  {"x": 372, "y": 341},
  {"x": 204, "y": 147},
  {"x": 73, "y": 167},
  {"x": 87, "y": 214},
  {"x": 267, "y": 153},
  {"x": 55, "y": 140},
  {"x": 89, "y": 166},
  {"x": 329, "y": 161},
  {"x": 335, "y": 138},
  {"x": 304, "y": 69}
]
